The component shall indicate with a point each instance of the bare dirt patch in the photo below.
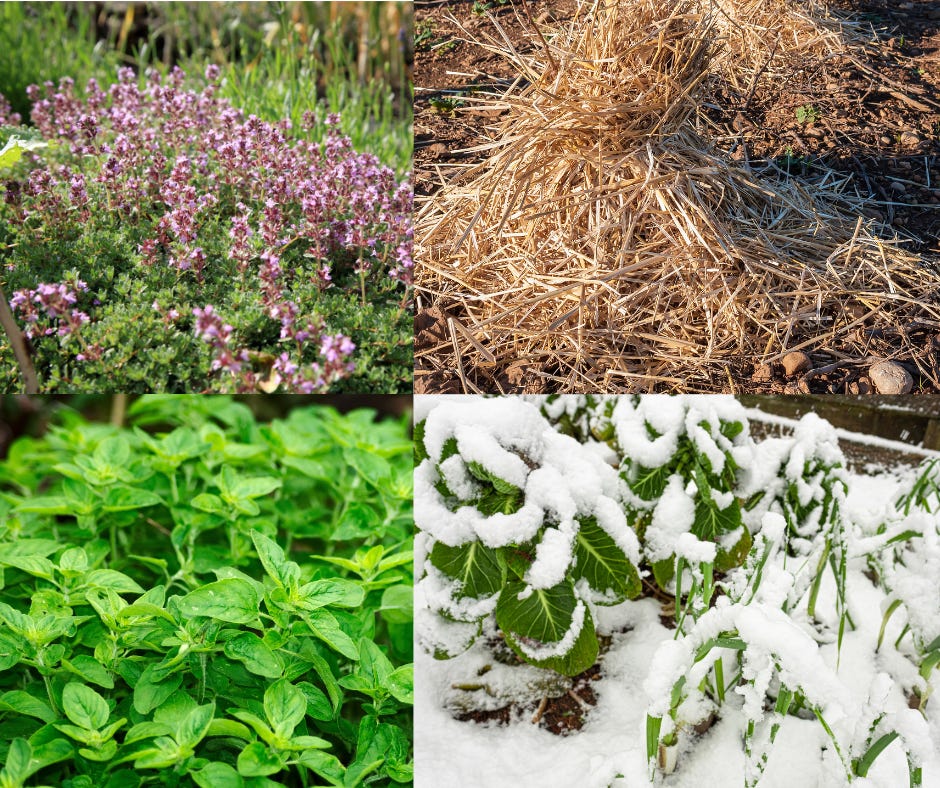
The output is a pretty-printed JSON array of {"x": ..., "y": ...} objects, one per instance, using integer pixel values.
[{"x": 560, "y": 714}]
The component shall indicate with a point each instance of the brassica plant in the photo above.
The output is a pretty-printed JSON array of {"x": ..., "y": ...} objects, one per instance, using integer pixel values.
[{"x": 521, "y": 522}]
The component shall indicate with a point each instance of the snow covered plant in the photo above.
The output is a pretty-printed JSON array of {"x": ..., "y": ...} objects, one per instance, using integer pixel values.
[
  {"x": 680, "y": 458},
  {"x": 803, "y": 478},
  {"x": 520, "y": 521},
  {"x": 908, "y": 568},
  {"x": 778, "y": 660}
]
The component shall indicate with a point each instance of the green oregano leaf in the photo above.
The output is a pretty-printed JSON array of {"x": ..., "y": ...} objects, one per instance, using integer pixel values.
[
  {"x": 233, "y": 600},
  {"x": 85, "y": 707},
  {"x": 251, "y": 651},
  {"x": 284, "y": 706}
]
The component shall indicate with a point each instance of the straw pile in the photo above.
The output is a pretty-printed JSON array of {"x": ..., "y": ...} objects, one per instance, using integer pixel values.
[
  {"x": 756, "y": 35},
  {"x": 606, "y": 243}
]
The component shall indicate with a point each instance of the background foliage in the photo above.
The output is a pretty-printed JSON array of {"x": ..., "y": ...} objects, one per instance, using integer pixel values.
[{"x": 280, "y": 59}]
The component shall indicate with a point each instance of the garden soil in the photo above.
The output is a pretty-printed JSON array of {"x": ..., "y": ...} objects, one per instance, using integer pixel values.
[{"x": 875, "y": 117}]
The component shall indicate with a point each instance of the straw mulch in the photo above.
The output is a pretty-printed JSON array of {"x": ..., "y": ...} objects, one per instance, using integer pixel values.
[
  {"x": 756, "y": 37},
  {"x": 606, "y": 242}
]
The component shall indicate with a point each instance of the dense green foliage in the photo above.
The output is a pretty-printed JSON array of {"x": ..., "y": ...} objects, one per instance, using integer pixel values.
[
  {"x": 270, "y": 186},
  {"x": 200, "y": 599}
]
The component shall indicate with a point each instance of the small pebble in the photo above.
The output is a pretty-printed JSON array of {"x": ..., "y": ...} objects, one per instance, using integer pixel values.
[
  {"x": 910, "y": 139},
  {"x": 795, "y": 362},
  {"x": 890, "y": 377},
  {"x": 763, "y": 373},
  {"x": 898, "y": 187}
]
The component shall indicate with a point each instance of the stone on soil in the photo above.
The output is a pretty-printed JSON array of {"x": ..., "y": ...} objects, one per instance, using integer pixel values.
[
  {"x": 795, "y": 362},
  {"x": 889, "y": 377}
]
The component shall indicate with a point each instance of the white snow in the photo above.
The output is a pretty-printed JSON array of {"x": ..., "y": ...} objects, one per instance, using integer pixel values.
[
  {"x": 480, "y": 446},
  {"x": 851, "y": 686},
  {"x": 552, "y": 557},
  {"x": 458, "y": 479},
  {"x": 672, "y": 517},
  {"x": 694, "y": 550},
  {"x": 664, "y": 414},
  {"x": 459, "y": 527},
  {"x": 611, "y": 518},
  {"x": 519, "y": 424}
]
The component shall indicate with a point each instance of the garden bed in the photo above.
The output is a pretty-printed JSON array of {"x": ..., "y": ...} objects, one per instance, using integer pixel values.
[
  {"x": 219, "y": 201},
  {"x": 820, "y": 109},
  {"x": 795, "y": 629}
]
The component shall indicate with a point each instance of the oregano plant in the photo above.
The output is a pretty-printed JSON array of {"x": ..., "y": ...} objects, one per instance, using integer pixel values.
[{"x": 202, "y": 599}]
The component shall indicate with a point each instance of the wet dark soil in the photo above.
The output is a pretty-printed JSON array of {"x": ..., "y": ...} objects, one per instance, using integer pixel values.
[{"x": 561, "y": 716}]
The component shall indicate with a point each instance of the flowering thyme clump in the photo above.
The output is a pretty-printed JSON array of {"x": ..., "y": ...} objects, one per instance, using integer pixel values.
[
  {"x": 335, "y": 351},
  {"x": 49, "y": 309},
  {"x": 160, "y": 193}
]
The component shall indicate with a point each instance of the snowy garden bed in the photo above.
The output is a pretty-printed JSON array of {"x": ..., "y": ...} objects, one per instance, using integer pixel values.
[{"x": 633, "y": 591}]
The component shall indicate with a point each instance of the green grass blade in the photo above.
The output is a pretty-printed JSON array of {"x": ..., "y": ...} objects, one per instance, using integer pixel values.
[{"x": 864, "y": 763}]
